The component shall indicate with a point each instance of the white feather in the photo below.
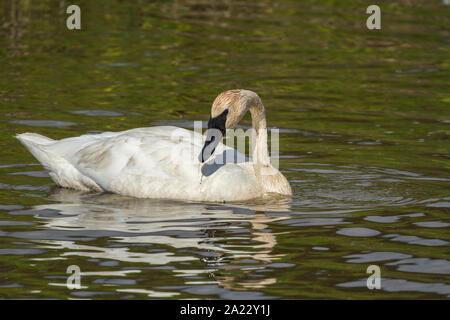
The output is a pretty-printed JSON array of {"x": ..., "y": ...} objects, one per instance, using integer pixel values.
[
  {"x": 162, "y": 162},
  {"x": 157, "y": 162}
]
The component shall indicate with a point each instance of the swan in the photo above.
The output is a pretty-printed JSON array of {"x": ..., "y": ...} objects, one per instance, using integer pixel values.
[{"x": 157, "y": 162}]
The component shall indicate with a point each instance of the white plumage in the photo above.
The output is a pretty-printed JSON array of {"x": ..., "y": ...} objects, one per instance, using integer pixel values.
[{"x": 156, "y": 162}]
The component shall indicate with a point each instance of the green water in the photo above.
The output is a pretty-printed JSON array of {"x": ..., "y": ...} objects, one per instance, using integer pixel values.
[{"x": 364, "y": 137}]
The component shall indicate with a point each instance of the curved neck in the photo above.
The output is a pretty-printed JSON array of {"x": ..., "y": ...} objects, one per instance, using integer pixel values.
[{"x": 260, "y": 151}]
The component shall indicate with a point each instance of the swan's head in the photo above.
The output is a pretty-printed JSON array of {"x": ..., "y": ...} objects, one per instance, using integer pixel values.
[{"x": 227, "y": 110}]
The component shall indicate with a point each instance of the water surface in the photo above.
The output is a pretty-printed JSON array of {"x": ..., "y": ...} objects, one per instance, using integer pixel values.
[{"x": 364, "y": 139}]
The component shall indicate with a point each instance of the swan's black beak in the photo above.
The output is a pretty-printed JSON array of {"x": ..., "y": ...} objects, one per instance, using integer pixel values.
[
  {"x": 216, "y": 130},
  {"x": 213, "y": 137}
]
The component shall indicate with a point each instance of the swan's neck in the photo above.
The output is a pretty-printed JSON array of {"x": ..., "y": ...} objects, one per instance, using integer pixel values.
[
  {"x": 269, "y": 179},
  {"x": 260, "y": 152}
]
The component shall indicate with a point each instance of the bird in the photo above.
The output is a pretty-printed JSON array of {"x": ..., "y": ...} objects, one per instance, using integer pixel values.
[{"x": 161, "y": 162}]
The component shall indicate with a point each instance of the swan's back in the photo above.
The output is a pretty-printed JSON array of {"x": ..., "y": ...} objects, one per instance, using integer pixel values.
[{"x": 156, "y": 162}]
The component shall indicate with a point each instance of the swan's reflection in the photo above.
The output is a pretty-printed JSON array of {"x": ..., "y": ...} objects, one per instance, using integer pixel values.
[{"x": 223, "y": 235}]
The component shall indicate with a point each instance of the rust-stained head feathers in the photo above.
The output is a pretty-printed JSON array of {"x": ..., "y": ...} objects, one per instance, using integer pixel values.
[
  {"x": 237, "y": 102},
  {"x": 224, "y": 100}
]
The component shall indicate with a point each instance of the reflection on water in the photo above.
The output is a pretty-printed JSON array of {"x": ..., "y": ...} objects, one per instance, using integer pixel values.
[
  {"x": 155, "y": 233},
  {"x": 140, "y": 221},
  {"x": 363, "y": 119},
  {"x": 132, "y": 248}
]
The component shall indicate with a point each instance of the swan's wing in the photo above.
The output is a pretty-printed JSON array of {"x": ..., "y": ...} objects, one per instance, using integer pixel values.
[
  {"x": 157, "y": 162},
  {"x": 146, "y": 162}
]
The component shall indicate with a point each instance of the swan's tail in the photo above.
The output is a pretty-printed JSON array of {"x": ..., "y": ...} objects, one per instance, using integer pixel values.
[
  {"x": 60, "y": 170},
  {"x": 35, "y": 143},
  {"x": 33, "y": 137}
]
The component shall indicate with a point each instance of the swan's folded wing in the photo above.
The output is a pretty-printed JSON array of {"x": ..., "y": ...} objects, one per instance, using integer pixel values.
[
  {"x": 139, "y": 164},
  {"x": 157, "y": 162}
]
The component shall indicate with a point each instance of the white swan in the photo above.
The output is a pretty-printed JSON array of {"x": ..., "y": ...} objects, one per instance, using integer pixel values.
[{"x": 157, "y": 162}]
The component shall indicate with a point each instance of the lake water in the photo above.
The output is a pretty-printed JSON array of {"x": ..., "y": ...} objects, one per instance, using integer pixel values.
[{"x": 364, "y": 137}]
